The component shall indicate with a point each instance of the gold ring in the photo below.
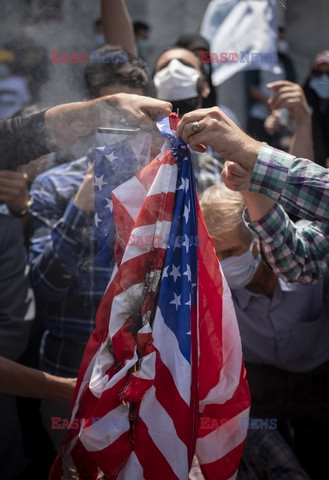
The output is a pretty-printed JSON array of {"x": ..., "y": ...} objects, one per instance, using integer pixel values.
[{"x": 195, "y": 126}]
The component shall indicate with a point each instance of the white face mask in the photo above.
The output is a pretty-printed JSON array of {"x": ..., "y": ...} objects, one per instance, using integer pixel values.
[
  {"x": 176, "y": 82},
  {"x": 240, "y": 269}
]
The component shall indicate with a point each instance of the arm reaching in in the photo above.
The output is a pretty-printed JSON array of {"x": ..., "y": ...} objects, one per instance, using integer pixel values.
[
  {"x": 69, "y": 122},
  {"x": 21, "y": 381},
  {"x": 219, "y": 132},
  {"x": 301, "y": 186},
  {"x": 25, "y": 139}
]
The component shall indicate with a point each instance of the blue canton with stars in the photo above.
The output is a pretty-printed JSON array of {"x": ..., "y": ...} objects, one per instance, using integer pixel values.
[
  {"x": 113, "y": 166},
  {"x": 179, "y": 278}
]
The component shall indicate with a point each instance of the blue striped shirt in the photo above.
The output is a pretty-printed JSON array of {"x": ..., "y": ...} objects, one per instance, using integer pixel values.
[{"x": 68, "y": 283}]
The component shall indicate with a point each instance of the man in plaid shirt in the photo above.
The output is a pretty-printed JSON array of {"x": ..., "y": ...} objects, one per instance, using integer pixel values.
[{"x": 265, "y": 176}]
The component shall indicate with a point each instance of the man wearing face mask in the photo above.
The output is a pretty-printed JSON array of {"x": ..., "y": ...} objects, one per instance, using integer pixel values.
[
  {"x": 14, "y": 92},
  {"x": 179, "y": 79},
  {"x": 316, "y": 90},
  {"x": 284, "y": 332}
]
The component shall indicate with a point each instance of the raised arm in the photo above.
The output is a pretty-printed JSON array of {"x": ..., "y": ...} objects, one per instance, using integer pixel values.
[
  {"x": 290, "y": 95},
  {"x": 117, "y": 25}
]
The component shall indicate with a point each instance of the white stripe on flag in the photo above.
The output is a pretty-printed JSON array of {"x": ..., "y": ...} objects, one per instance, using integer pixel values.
[
  {"x": 123, "y": 305},
  {"x": 223, "y": 440},
  {"x": 132, "y": 203},
  {"x": 165, "y": 180},
  {"x": 147, "y": 367},
  {"x": 99, "y": 377},
  {"x": 132, "y": 469},
  {"x": 157, "y": 233},
  {"x": 166, "y": 342},
  {"x": 163, "y": 433},
  {"x": 101, "y": 433},
  {"x": 84, "y": 382}
]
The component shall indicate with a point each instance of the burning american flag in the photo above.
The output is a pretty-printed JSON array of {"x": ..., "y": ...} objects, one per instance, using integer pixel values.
[{"x": 165, "y": 356}]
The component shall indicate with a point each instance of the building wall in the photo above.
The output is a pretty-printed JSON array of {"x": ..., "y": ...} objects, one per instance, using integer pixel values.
[{"x": 306, "y": 22}]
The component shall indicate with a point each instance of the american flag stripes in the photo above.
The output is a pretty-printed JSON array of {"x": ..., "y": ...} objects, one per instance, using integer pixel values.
[{"x": 166, "y": 351}]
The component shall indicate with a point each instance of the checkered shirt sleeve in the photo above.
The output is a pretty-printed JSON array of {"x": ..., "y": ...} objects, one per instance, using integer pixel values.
[
  {"x": 301, "y": 187},
  {"x": 296, "y": 253}
]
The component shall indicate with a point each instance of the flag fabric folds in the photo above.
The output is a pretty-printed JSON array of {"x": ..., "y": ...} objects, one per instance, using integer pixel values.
[
  {"x": 162, "y": 377},
  {"x": 242, "y": 36}
]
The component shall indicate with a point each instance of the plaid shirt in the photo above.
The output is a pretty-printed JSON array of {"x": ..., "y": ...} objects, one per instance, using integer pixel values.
[
  {"x": 68, "y": 284},
  {"x": 267, "y": 455},
  {"x": 300, "y": 186},
  {"x": 296, "y": 253}
]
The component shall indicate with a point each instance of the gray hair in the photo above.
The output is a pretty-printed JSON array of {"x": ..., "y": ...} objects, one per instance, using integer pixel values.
[{"x": 222, "y": 209}]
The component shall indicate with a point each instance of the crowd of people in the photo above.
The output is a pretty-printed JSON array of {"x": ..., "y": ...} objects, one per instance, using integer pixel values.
[{"x": 265, "y": 207}]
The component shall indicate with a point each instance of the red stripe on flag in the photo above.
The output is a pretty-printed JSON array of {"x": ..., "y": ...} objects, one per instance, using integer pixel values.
[
  {"x": 155, "y": 466},
  {"x": 112, "y": 458},
  {"x": 210, "y": 312},
  {"x": 170, "y": 399},
  {"x": 225, "y": 467}
]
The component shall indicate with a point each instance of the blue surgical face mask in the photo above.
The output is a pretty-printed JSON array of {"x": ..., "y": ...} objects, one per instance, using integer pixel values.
[
  {"x": 321, "y": 85},
  {"x": 4, "y": 70},
  {"x": 142, "y": 47},
  {"x": 99, "y": 39},
  {"x": 240, "y": 269}
]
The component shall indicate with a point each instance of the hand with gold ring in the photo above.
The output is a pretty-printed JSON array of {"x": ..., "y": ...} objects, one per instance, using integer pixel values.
[
  {"x": 195, "y": 126},
  {"x": 210, "y": 126}
]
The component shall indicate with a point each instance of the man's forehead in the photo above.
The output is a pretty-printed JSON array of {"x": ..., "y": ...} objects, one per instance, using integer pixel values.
[{"x": 182, "y": 54}]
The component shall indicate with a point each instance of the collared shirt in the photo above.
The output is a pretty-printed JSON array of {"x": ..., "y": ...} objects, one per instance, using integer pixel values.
[
  {"x": 296, "y": 253},
  {"x": 289, "y": 331},
  {"x": 300, "y": 186},
  {"x": 68, "y": 284}
]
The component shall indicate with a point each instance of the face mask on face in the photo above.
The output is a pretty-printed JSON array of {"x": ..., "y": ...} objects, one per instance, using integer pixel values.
[
  {"x": 283, "y": 46},
  {"x": 99, "y": 39},
  {"x": 142, "y": 44},
  {"x": 4, "y": 70},
  {"x": 176, "y": 81},
  {"x": 240, "y": 269},
  {"x": 321, "y": 85}
]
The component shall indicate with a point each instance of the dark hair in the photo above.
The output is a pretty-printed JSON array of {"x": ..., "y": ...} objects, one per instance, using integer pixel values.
[
  {"x": 193, "y": 41},
  {"x": 112, "y": 65},
  {"x": 140, "y": 26}
]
